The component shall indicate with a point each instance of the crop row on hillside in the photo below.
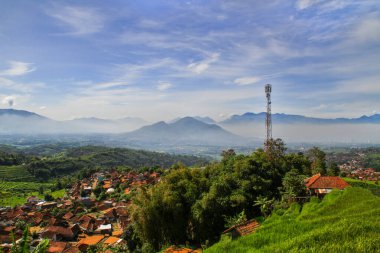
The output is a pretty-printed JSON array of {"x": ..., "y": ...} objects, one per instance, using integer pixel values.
[{"x": 345, "y": 221}]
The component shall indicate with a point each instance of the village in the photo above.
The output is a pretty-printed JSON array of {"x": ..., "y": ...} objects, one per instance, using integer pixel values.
[
  {"x": 90, "y": 215},
  {"x": 353, "y": 170}
]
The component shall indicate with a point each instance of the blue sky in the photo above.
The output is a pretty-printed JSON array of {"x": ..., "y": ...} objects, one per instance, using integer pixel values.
[{"x": 162, "y": 59}]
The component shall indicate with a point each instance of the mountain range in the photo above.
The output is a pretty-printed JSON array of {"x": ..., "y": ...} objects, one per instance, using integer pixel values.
[
  {"x": 20, "y": 121},
  {"x": 281, "y": 118},
  {"x": 197, "y": 130}
]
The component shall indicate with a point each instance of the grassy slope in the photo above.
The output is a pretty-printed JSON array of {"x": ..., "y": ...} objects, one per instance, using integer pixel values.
[
  {"x": 347, "y": 221},
  {"x": 370, "y": 185}
]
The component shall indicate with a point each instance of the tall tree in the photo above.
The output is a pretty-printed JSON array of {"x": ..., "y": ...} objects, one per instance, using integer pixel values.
[
  {"x": 333, "y": 170},
  {"x": 293, "y": 184},
  {"x": 318, "y": 159}
]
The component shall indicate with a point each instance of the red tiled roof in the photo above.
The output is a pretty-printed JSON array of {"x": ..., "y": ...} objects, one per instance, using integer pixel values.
[
  {"x": 311, "y": 180},
  {"x": 57, "y": 230},
  {"x": 56, "y": 247},
  {"x": 327, "y": 182},
  {"x": 245, "y": 228},
  {"x": 68, "y": 216}
]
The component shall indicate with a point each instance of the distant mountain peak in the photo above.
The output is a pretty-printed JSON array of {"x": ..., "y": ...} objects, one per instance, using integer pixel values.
[
  {"x": 19, "y": 113},
  {"x": 185, "y": 130}
]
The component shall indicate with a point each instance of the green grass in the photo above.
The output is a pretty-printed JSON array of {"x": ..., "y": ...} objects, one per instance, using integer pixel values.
[
  {"x": 345, "y": 221},
  {"x": 370, "y": 185},
  {"x": 58, "y": 194},
  {"x": 16, "y": 193}
]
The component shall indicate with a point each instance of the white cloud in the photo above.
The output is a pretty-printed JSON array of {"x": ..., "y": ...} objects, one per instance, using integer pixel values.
[
  {"x": 42, "y": 107},
  {"x": 17, "y": 68},
  {"x": 9, "y": 101},
  {"x": 202, "y": 66},
  {"x": 109, "y": 85},
  {"x": 163, "y": 86},
  {"x": 247, "y": 80},
  {"x": 13, "y": 86},
  {"x": 80, "y": 20},
  {"x": 304, "y": 4}
]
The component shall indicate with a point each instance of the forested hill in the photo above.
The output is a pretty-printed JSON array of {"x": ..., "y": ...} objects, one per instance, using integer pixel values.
[{"x": 19, "y": 165}]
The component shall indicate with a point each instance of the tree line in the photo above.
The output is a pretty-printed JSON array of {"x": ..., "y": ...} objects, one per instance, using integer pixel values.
[{"x": 194, "y": 205}]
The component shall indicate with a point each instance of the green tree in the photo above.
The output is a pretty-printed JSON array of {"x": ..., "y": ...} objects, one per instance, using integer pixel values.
[
  {"x": 41, "y": 190},
  {"x": 48, "y": 197},
  {"x": 266, "y": 205},
  {"x": 58, "y": 185},
  {"x": 318, "y": 159},
  {"x": 234, "y": 220},
  {"x": 293, "y": 184},
  {"x": 275, "y": 148},
  {"x": 333, "y": 170},
  {"x": 23, "y": 246}
]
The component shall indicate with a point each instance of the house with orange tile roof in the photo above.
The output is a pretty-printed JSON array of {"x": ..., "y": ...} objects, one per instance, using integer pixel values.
[
  {"x": 84, "y": 243},
  {"x": 321, "y": 185},
  {"x": 57, "y": 233},
  {"x": 113, "y": 240}
]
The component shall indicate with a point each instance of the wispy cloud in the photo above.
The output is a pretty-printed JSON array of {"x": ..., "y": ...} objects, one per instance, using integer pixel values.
[
  {"x": 20, "y": 87},
  {"x": 109, "y": 85},
  {"x": 79, "y": 20},
  {"x": 163, "y": 86},
  {"x": 247, "y": 80},
  {"x": 17, "y": 68},
  {"x": 304, "y": 4},
  {"x": 201, "y": 66}
]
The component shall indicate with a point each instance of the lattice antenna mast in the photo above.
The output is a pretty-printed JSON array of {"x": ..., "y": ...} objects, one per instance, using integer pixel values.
[{"x": 268, "y": 120}]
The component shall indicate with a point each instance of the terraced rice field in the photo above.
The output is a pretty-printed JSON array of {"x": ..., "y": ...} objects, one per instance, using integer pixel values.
[{"x": 14, "y": 173}]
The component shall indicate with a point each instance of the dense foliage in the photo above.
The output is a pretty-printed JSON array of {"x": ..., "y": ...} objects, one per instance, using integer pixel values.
[
  {"x": 345, "y": 221},
  {"x": 193, "y": 205}
]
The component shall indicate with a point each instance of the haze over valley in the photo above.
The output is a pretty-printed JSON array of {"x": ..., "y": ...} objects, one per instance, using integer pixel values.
[{"x": 195, "y": 135}]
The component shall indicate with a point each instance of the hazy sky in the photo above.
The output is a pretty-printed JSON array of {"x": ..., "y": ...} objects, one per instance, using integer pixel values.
[{"x": 163, "y": 59}]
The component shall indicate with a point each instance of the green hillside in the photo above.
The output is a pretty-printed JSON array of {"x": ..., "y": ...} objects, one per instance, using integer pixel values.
[
  {"x": 345, "y": 221},
  {"x": 370, "y": 185},
  {"x": 21, "y": 166}
]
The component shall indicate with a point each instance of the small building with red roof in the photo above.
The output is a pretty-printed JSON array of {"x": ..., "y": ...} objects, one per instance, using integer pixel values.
[
  {"x": 241, "y": 229},
  {"x": 321, "y": 185}
]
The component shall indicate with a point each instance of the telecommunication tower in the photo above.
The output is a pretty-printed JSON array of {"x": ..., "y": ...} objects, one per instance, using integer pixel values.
[{"x": 268, "y": 120}]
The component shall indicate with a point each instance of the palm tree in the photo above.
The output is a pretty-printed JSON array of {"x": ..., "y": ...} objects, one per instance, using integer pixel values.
[
  {"x": 23, "y": 246},
  {"x": 265, "y": 204}
]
